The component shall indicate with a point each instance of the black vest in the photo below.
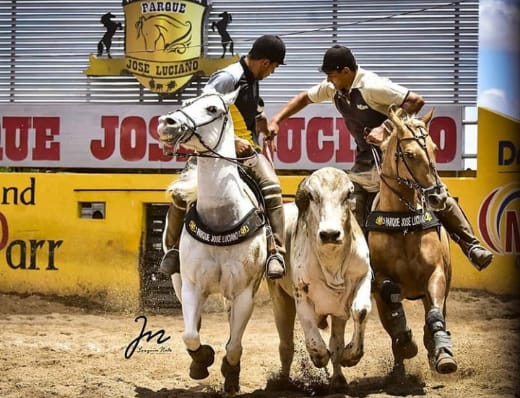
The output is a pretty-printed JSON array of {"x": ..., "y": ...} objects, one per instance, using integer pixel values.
[
  {"x": 248, "y": 99},
  {"x": 359, "y": 117}
]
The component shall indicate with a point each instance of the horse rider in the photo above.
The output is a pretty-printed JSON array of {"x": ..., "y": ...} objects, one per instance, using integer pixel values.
[
  {"x": 363, "y": 99},
  {"x": 249, "y": 120}
]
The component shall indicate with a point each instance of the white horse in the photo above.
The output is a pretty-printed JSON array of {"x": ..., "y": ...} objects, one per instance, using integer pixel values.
[{"x": 219, "y": 253}]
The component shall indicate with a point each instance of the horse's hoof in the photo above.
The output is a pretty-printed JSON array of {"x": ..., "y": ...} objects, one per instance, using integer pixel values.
[
  {"x": 338, "y": 384},
  {"x": 319, "y": 360},
  {"x": 349, "y": 357},
  {"x": 231, "y": 377},
  {"x": 397, "y": 372},
  {"x": 404, "y": 346},
  {"x": 445, "y": 363},
  {"x": 409, "y": 350},
  {"x": 198, "y": 371},
  {"x": 202, "y": 359}
]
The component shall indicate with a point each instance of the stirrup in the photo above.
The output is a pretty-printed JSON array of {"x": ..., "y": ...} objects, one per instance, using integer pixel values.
[
  {"x": 479, "y": 256},
  {"x": 170, "y": 263},
  {"x": 279, "y": 271}
]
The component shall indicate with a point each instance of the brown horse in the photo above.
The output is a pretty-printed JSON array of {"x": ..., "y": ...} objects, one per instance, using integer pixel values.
[{"x": 409, "y": 249}]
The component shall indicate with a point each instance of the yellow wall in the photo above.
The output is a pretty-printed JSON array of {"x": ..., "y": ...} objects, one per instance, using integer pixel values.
[{"x": 99, "y": 259}]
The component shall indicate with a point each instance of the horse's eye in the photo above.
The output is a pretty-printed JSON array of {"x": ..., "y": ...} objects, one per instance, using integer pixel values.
[
  {"x": 212, "y": 109},
  {"x": 409, "y": 154}
]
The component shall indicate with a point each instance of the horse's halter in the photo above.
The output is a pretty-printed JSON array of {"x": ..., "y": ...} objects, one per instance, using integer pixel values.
[
  {"x": 191, "y": 130},
  {"x": 423, "y": 192}
]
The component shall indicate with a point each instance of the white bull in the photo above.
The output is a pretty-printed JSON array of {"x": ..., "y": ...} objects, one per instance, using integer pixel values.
[{"x": 328, "y": 273}]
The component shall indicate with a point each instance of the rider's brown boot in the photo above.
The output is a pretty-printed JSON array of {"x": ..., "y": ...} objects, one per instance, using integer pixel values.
[
  {"x": 460, "y": 230},
  {"x": 479, "y": 256},
  {"x": 264, "y": 175},
  {"x": 170, "y": 263},
  {"x": 275, "y": 266}
]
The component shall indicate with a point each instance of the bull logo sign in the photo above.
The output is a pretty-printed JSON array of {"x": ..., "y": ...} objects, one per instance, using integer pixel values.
[{"x": 163, "y": 42}]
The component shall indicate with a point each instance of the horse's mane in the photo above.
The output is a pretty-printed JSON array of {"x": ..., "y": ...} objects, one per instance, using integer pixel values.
[{"x": 185, "y": 187}]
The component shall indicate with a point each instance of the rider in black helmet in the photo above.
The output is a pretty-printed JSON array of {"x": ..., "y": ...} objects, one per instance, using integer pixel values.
[{"x": 249, "y": 120}]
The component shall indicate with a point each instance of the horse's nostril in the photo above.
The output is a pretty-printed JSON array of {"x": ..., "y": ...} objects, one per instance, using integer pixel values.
[{"x": 169, "y": 121}]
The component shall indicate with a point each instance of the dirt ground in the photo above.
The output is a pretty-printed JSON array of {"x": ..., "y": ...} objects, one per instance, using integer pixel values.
[{"x": 50, "y": 348}]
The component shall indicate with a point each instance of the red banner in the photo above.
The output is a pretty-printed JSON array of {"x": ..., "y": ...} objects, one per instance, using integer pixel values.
[{"x": 125, "y": 136}]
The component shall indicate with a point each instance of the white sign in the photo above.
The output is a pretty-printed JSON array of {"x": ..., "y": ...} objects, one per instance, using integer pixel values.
[{"x": 125, "y": 137}]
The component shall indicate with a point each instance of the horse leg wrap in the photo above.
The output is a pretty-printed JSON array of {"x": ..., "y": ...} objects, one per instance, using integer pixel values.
[
  {"x": 437, "y": 327},
  {"x": 391, "y": 295},
  {"x": 435, "y": 320},
  {"x": 231, "y": 376},
  {"x": 403, "y": 345},
  {"x": 202, "y": 359}
]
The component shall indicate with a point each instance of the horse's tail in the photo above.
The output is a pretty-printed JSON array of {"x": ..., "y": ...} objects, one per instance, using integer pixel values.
[{"x": 185, "y": 187}]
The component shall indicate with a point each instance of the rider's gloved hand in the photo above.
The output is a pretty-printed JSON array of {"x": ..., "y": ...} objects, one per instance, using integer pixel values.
[
  {"x": 243, "y": 147},
  {"x": 378, "y": 134}
]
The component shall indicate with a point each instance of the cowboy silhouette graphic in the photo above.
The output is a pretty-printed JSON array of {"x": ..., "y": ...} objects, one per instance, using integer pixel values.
[
  {"x": 111, "y": 28},
  {"x": 221, "y": 26}
]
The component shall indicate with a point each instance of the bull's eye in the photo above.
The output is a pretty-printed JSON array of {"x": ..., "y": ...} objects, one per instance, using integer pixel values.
[{"x": 212, "y": 109}]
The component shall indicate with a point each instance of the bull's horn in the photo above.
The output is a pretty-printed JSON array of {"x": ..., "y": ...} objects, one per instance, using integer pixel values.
[{"x": 302, "y": 196}]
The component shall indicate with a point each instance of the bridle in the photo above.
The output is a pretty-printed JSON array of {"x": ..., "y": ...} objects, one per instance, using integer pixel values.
[
  {"x": 191, "y": 129},
  {"x": 423, "y": 192},
  {"x": 188, "y": 131}
]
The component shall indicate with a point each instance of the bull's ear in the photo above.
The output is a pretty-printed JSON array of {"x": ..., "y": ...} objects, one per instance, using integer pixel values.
[
  {"x": 351, "y": 200},
  {"x": 302, "y": 196}
]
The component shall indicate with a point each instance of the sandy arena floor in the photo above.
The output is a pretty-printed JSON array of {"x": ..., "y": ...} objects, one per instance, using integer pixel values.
[{"x": 49, "y": 348}]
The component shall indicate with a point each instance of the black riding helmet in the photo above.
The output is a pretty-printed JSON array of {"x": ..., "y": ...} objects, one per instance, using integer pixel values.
[{"x": 270, "y": 47}]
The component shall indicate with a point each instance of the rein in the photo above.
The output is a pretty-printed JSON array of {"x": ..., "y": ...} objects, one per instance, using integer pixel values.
[
  {"x": 194, "y": 126},
  {"x": 210, "y": 152}
]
